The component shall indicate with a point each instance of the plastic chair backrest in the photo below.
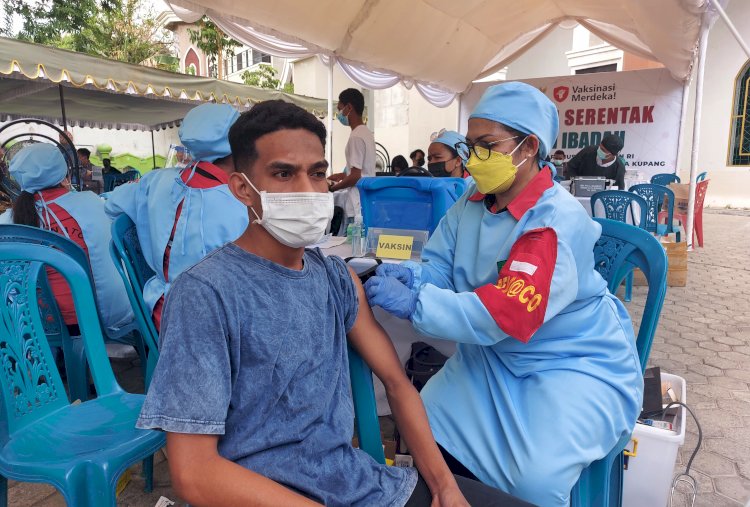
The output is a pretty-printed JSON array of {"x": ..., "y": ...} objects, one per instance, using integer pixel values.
[
  {"x": 31, "y": 384},
  {"x": 400, "y": 202},
  {"x": 654, "y": 196},
  {"x": 365, "y": 408},
  {"x": 127, "y": 236},
  {"x": 54, "y": 326},
  {"x": 621, "y": 248},
  {"x": 664, "y": 179},
  {"x": 702, "y": 176},
  {"x": 616, "y": 204},
  {"x": 700, "y": 193},
  {"x": 134, "y": 271}
]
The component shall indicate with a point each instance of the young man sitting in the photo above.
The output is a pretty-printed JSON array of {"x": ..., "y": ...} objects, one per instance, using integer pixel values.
[{"x": 252, "y": 384}]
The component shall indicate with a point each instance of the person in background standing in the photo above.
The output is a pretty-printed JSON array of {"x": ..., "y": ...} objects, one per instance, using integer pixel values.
[
  {"x": 359, "y": 151},
  {"x": 600, "y": 160}
]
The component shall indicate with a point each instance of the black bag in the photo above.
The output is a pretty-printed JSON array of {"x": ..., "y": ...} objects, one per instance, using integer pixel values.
[{"x": 424, "y": 362}]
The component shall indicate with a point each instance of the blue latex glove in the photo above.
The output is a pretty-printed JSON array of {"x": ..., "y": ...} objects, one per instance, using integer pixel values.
[
  {"x": 403, "y": 274},
  {"x": 391, "y": 295}
]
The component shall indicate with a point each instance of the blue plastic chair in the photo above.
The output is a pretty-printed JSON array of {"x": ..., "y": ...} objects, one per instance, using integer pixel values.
[
  {"x": 127, "y": 255},
  {"x": 620, "y": 249},
  {"x": 616, "y": 204},
  {"x": 79, "y": 449},
  {"x": 664, "y": 179},
  {"x": 55, "y": 328},
  {"x": 365, "y": 408},
  {"x": 398, "y": 202},
  {"x": 702, "y": 176},
  {"x": 654, "y": 196}
]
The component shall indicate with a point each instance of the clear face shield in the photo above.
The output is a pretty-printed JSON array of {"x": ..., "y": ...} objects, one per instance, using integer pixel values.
[{"x": 178, "y": 156}]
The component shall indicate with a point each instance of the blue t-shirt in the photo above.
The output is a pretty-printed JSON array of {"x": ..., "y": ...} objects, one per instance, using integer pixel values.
[{"x": 256, "y": 352}]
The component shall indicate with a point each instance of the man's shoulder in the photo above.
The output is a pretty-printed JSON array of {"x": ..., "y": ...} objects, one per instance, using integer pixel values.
[
  {"x": 363, "y": 132},
  {"x": 211, "y": 269}
]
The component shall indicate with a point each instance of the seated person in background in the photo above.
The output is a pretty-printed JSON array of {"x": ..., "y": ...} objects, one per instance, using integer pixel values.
[
  {"x": 92, "y": 176},
  {"x": 417, "y": 158},
  {"x": 252, "y": 384},
  {"x": 108, "y": 167},
  {"x": 47, "y": 202},
  {"x": 183, "y": 214},
  {"x": 399, "y": 164},
  {"x": 558, "y": 160},
  {"x": 600, "y": 160},
  {"x": 442, "y": 157}
]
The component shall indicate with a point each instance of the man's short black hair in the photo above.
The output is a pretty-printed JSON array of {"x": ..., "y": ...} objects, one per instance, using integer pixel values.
[
  {"x": 265, "y": 118},
  {"x": 353, "y": 97},
  {"x": 559, "y": 152},
  {"x": 84, "y": 151},
  {"x": 413, "y": 154}
]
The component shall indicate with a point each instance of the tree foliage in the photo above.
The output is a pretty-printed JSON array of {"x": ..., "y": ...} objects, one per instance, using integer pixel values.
[
  {"x": 263, "y": 77},
  {"x": 213, "y": 42},
  {"x": 122, "y": 30}
]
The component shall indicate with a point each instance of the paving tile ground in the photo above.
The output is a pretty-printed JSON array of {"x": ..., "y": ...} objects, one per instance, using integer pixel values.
[{"x": 703, "y": 336}]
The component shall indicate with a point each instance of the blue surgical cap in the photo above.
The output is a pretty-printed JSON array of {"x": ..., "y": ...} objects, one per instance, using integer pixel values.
[
  {"x": 205, "y": 131},
  {"x": 521, "y": 107},
  {"x": 450, "y": 138},
  {"x": 38, "y": 166}
]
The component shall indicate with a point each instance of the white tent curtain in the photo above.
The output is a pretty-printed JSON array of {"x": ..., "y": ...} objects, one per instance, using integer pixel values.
[{"x": 456, "y": 43}]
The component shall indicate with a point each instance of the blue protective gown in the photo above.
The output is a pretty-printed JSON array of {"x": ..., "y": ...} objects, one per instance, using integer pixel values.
[
  {"x": 209, "y": 218},
  {"x": 525, "y": 417},
  {"x": 87, "y": 209}
]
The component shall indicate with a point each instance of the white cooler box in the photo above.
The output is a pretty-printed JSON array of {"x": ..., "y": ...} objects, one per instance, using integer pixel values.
[{"x": 648, "y": 479}]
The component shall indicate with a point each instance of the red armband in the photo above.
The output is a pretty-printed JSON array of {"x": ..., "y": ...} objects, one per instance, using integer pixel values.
[{"x": 518, "y": 301}]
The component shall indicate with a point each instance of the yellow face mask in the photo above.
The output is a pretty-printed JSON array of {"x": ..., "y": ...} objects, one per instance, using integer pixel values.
[{"x": 497, "y": 173}]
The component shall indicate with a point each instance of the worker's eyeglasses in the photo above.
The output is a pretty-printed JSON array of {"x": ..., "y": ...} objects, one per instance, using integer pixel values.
[
  {"x": 465, "y": 149},
  {"x": 437, "y": 134}
]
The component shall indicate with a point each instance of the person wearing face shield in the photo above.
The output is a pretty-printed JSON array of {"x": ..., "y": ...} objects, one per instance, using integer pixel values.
[
  {"x": 546, "y": 378},
  {"x": 442, "y": 158},
  {"x": 184, "y": 213},
  {"x": 600, "y": 160},
  {"x": 47, "y": 202},
  {"x": 252, "y": 380}
]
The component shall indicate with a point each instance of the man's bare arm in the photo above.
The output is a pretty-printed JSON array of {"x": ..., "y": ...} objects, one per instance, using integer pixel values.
[
  {"x": 201, "y": 476},
  {"x": 376, "y": 348}
]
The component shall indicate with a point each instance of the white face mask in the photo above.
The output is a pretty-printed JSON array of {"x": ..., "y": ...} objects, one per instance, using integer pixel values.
[{"x": 295, "y": 219}]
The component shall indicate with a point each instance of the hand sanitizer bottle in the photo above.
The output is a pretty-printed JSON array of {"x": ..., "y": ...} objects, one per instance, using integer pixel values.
[{"x": 358, "y": 237}]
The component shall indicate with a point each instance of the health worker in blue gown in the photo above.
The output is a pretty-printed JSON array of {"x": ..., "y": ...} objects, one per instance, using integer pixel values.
[
  {"x": 546, "y": 377},
  {"x": 183, "y": 214}
]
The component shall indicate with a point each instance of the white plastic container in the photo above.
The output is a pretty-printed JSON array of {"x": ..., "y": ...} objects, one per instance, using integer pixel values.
[{"x": 648, "y": 479}]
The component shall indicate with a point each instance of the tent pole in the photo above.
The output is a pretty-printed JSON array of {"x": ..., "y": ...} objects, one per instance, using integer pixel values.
[
  {"x": 329, "y": 117},
  {"x": 153, "y": 150},
  {"x": 683, "y": 121},
  {"x": 696, "y": 132},
  {"x": 62, "y": 107},
  {"x": 731, "y": 26}
]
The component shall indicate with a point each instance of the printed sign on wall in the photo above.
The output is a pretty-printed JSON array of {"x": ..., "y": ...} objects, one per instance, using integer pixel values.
[{"x": 642, "y": 107}]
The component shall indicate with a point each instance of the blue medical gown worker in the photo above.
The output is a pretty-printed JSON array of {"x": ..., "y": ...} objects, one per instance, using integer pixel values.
[
  {"x": 183, "y": 214},
  {"x": 546, "y": 377}
]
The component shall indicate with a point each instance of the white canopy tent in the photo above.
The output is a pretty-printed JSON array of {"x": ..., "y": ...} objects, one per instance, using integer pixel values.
[{"x": 457, "y": 42}]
